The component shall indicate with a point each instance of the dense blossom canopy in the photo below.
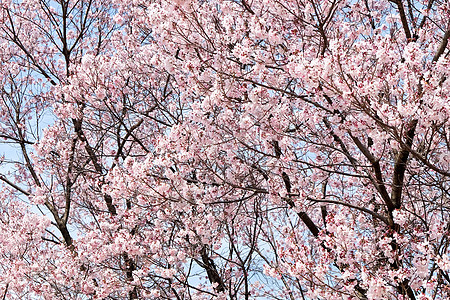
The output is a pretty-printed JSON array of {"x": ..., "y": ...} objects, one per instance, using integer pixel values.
[{"x": 225, "y": 149}]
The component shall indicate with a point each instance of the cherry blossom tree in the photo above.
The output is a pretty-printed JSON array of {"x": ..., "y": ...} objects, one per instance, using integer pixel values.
[{"x": 225, "y": 149}]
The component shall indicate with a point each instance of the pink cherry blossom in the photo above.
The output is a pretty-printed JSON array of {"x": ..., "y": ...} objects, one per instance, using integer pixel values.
[{"x": 224, "y": 149}]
